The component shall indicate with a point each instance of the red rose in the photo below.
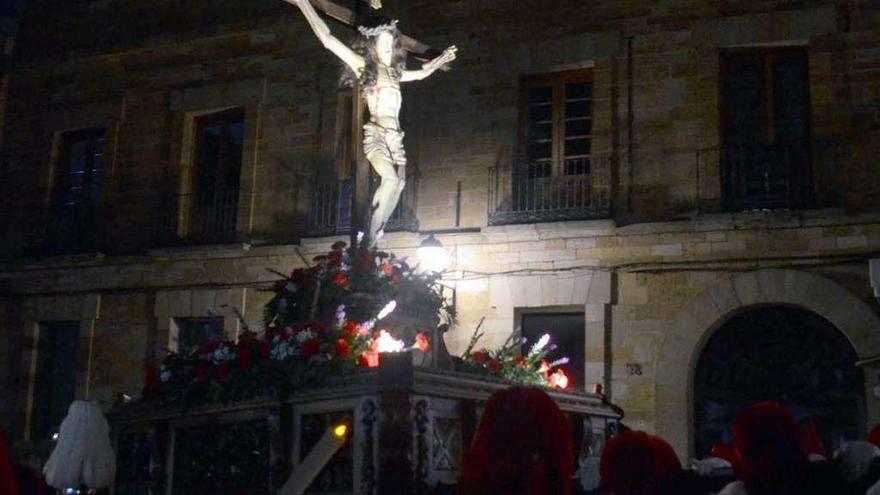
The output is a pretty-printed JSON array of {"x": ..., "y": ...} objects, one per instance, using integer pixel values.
[
  {"x": 202, "y": 370},
  {"x": 222, "y": 370},
  {"x": 316, "y": 326},
  {"x": 494, "y": 366},
  {"x": 310, "y": 347},
  {"x": 245, "y": 359},
  {"x": 480, "y": 357},
  {"x": 341, "y": 280},
  {"x": 280, "y": 287},
  {"x": 422, "y": 341},
  {"x": 522, "y": 361},
  {"x": 342, "y": 349},
  {"x": 351, "y": 329},
  {"x": 270, "y": 333}
]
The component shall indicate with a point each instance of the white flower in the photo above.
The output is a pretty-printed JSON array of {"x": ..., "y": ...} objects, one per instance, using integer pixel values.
[
  {"x": 165, "y": 376},
  {"x": 222, "y": 354},
  {"x": 304, "y": 336}
]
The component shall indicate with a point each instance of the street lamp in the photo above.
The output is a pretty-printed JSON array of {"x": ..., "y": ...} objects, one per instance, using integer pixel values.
[{"x": 432, "y": 255}]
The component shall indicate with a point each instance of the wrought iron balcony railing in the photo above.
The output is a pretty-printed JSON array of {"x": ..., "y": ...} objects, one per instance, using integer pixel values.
[
  {"x": 200, "y": 218},
  {"x": 330, "y": 208},
  {"x": 534, "y": 192},
  {"x": 768, "y": 176}
]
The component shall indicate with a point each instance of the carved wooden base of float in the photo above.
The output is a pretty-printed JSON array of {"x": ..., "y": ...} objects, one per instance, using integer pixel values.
[{"x": 410, "y": 430}]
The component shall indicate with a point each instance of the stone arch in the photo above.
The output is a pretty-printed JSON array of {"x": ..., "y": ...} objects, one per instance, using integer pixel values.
[{"x": 705, "y": 313}]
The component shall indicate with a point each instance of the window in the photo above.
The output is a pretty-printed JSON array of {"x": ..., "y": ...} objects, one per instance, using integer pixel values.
[
  {"x": 218, "y": 152},
  {"x": 76, "y": 192},
  {"x": 55, "y": 380},
  {"x": 765, "y": 129},
  {"x": 567, "y": 332},
  {"x": 193, "y": 333},
  {"x": 556, "y": 123}
]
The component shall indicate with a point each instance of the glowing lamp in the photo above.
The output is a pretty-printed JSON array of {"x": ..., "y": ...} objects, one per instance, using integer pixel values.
[
  {"x": 558, "y": 380},
  {"x": 386, "y": 343},
  {"x": 340, "y": 431},
  {"x": 432, "y": 255},
  {"x": 330, "y": 442}
]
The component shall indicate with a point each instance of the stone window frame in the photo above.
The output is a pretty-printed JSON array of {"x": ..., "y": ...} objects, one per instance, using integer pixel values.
[
  {"x": 562, "y": 309},
  {"x": 107, "y": 115},
  {"x": 197, "y": 303},
  {"x": 186, "y": 107},
  {"x": 557, "y": 79},
  {"x": 86, "y": 310}
]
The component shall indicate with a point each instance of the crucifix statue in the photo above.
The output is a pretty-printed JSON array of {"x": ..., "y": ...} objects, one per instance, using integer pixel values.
[{"x": 376, "y": 64}]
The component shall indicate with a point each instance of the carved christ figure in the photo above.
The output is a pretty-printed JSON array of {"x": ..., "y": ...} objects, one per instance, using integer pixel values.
[{"x": 378, "y": 62}]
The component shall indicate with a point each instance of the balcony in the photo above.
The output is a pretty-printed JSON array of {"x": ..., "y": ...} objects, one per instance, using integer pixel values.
[
  {"x": 766, "y": 176},
  {"x": 531, "y": 193},
  {"x": 330, "y": 207},
  {"x": 200, "y": 218}
]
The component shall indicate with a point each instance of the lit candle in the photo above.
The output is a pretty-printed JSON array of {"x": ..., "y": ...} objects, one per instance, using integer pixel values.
[{"x": 332, "y": 440}]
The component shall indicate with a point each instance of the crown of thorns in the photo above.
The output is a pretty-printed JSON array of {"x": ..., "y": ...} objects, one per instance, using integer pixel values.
[{"x": 372, "y": 32}]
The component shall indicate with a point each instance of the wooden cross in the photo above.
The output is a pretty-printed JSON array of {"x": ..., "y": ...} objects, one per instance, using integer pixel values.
[{"x": 360, "y": 201}]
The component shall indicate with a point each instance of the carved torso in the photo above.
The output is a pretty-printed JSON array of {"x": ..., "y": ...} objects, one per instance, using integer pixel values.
[{"x": 384, "y": 99}]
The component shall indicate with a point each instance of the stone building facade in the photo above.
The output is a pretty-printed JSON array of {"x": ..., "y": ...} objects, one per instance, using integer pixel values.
[{"x": 655, "y": 227}]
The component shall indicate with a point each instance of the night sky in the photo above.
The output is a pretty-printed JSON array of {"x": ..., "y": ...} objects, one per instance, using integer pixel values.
[{"x": 9, "y": 8}]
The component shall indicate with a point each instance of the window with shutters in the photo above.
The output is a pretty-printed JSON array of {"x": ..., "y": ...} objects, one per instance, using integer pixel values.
[
  {"x": 55, "y": 379},
  {"x": 76, "y": 193},
  {"x": 556, "y": 123},
  {"x": 765, "y": 129},
  {"x": 214, "y": 200}
]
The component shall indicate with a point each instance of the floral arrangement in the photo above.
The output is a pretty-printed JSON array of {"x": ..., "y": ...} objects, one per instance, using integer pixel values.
[
  {"x": 509, "y": 363},
  {"x": 320, "y": 323},
  {"x": 272, "y": 363},
  {"x": 362, "y": 278}
]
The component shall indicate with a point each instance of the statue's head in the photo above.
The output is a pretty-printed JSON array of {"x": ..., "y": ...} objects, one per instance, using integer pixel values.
[{"x": 385, "y": 41}]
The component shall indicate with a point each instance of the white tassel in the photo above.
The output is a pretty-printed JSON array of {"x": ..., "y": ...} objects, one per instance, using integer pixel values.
[{"x": 83, "y": 453}]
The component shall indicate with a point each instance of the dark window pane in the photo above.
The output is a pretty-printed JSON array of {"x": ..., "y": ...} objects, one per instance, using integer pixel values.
[
  {"x": 742, "y": 99},
  {"x": 195, "y": 332},
  {"x": 540, "y": 94},
  {"x": 575, "y": 90},
  {"x": 55, "y": 382},
  {"x": 540, "y": 131},
  {"x": 577, "y": 166},
  {"x": 76, "y": 193},
  {"x": 575, "y": 147},
  {"x": 567, "y": 332},
  {"x": 214, "y": 202},
  {"x": 539, "y": 150},
  {"x": 791, "y": 105},
  {"x": 577, "y": 109},
  {"x": 540, "y": 113},
  {"x": 579, "y": 127}
]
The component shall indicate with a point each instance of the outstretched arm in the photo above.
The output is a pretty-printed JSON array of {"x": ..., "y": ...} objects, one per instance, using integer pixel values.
[
  {"x": 352, "y": 59},
  {"x": 429, "y": 68}
]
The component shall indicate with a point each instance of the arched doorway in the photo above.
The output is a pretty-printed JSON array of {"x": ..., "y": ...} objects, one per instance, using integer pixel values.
[{"x": 784, "y": 354}]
